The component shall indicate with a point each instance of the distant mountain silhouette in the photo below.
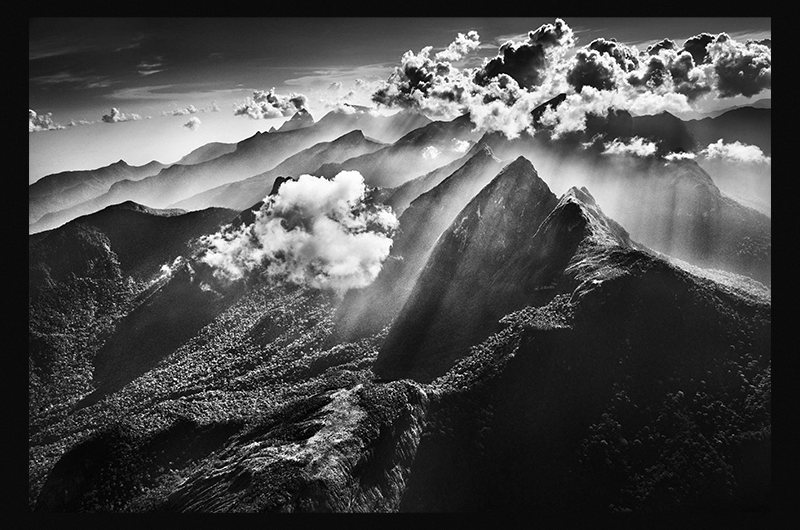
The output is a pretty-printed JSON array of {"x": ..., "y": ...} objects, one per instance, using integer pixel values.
[
  {"x": 747, "y": 125},
  {"x": 206, "y": 152},
  {"x": 416, "y": 153},
  {"x": 238, "y": 195},
  {"x": 63, "y": 190}
]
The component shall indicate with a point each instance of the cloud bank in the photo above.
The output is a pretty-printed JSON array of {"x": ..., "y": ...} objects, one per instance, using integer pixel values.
[
  {"x": 601, "y": 76},
  {"x": 265, "y": 105},
  {"x": 313, "y": 232}
]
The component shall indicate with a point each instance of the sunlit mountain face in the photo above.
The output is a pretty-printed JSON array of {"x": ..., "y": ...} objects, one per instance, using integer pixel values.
[{"x": 400, "y": 265}]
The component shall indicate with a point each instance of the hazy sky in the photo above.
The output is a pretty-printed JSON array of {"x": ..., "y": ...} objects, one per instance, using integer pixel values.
[{"x": 159, "y": 73}]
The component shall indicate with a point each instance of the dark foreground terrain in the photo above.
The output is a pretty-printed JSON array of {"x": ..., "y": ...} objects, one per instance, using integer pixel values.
[{"x": 543, "y": 360}]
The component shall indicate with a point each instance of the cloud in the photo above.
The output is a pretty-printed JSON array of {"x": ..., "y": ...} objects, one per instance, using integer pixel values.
[
  {"x": 527, "y": 62},
  {"x": 636, "y": 146},
  {"x": 264, "y": 105},
  {"x": 191, "y": 109},
  {"x": 430, "y": 152},
  {"x": 602, "y": 76},
  {"x": 741, "y": 69},
  {"x": 313, "y": 232},
  {"x": 680, "y": 156},
  {"x": 460, "y": 146},
  {"x": 44, "y": 122},
  {"x": 117, "y": 116},
  {"x": 459, "y": 47},
  {"x": 193, "y": 124},
  {"x": 736, "y": 152}
]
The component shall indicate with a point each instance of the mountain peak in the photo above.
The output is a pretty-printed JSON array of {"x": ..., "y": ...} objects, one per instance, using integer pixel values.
[{"x": 302, "y": 118}]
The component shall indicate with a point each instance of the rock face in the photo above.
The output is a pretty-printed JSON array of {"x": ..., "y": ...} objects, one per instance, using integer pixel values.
[
  {"x": 365, "y": 311},
  {"x": 448, "y": 309},
  {"x": 300, "y": 119}
]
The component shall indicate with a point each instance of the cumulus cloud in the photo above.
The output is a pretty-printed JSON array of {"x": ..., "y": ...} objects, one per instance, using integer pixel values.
[
  {"x": 736, "y": 151},
  {"x": 44, "y": 122},
  {"x": 191, "y": 109},
  {"x": 459, "y": 47},
  {"x": 314, "y": 232},
  {"x": 741, "y": 69},
  {"x": 117, "y": 116},
  {"x": 527, "y": 62},
  {"x": 636, "y": 146},
  {"x": 193, "y": 124},
  {"x": 269, "y": 104},
  {"x": 602, "y": 76}
]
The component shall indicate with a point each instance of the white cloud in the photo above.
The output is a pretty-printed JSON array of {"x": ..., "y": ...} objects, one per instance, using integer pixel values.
[
  {"x": 314, "y": 232},
  {"x": 735, "y": 151},
  {"x": 636, "y": 146},
  {"x": 430, "y": 152},
  {"x": 193, "y": 124},
  {"x": 268, "y": 104},
  {"x": 44, "y": 122},
  {"x": 117, "y": 116}
]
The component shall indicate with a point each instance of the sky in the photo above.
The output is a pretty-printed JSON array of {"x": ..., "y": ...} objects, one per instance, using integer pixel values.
[{"x": 142, "y": 89}]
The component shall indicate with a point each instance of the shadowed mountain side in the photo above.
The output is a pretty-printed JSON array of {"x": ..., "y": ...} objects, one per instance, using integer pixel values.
[
  {"x": 400, "y": 197},
  {"x": 206, "y": 152},
  {"x": 646, "y": 389},
  {"x": 143, "y": 238},
  {"x": 416, "y": 153},
  {"x": 365, "y": 311},
  {"x": 670, "y": 133},
  {"x": 241, "y": 194},
  {"x": 171, "y": 314},
  {"x": 748, "y": 125},
  {"x": 63, "y": 190},
  {"x": 453, "y": 303}
]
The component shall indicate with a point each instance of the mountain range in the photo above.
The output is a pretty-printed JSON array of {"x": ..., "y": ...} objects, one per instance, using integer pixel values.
[{"x": 555, "y": 328}]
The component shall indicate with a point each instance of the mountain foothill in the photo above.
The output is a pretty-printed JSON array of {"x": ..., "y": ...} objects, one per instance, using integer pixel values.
[{"x": 556, "y": 326}]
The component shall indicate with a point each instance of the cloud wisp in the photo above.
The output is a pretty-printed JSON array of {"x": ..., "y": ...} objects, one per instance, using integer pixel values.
[
  {"x": 735, "y": 152},
  {"x": 315, "y": 232}
]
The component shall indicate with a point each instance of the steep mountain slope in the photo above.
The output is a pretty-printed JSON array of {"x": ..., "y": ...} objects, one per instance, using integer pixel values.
[
  {"x": 450, "y": 306},
  {"x": 62, "y": 190},
  {"x": 416, "y": 153},
  {"x": 241, "y": 194},
  {"x": 366, "y": 311},
  {"x": 300, "y": 119}
]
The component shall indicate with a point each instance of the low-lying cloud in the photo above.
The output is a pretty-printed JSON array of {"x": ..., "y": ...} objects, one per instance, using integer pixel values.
[
  {"x": 314, "y": 232},
  {"x": 268, "y": 104},
  {"x": 736, "y": 152},
  {"x": 636, "y": 146}
]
